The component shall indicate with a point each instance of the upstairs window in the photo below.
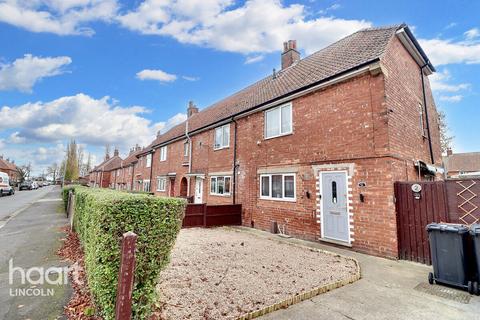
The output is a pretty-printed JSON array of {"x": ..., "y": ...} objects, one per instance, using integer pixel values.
[
  {"x": 149, "y": 161},
  {"x": 222, "y": 137},
  {"x": 163, "y": 153},
  {"x": 277, "y": 186},
  {"x": 278, "y": 121}
]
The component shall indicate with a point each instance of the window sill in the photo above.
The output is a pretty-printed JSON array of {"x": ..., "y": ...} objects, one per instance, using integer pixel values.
[
  {"x": 279, "y": 136},
  {"x": 218, "y": 149},
  {"x": 220, "y": 195},
  {"x": 279, "y": 199}
]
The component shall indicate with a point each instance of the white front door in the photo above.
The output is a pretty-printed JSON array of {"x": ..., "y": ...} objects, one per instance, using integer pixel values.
[
  {"x": 198, "y": 190},
  {"x": 335, "y": 223}
]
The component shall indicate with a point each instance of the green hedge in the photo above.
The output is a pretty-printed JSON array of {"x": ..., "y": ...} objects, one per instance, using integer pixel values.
[{"x": 101, "y": 217}]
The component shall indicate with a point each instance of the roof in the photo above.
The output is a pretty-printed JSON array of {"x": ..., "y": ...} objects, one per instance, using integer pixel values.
[
  {"x": 354, "y": 51},
  {"x": 469, "y": 161},
  {"x": 6, "y": 165},
  {"x": 110, "y": 164}
]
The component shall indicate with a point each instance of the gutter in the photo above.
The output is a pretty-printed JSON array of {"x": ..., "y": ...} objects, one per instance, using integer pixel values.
[{"x": 425, "y": 107}]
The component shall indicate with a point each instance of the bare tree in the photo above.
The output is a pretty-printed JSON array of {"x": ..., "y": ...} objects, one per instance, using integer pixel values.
[
  {"x": 24, "y": 172},
  {"x": 445, "y": 138},
  {"x": 53, "y": 171}
]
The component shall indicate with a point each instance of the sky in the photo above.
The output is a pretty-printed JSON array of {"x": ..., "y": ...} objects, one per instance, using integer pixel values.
[{"x": 117, "y": 72}]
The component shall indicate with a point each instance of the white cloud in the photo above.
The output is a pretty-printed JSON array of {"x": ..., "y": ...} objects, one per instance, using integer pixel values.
[
  {"x": 23, "y": 73},
  {"x": 157, "y": 75},
  {"x": 86, "y": 119},
  {"x": 190, "y": 78},
  {"x": 333, "y": 7},
  {"x": 440, "y": 82},
  {"x": 254, "y": 59},
  {"x": 62, "y": 17},
  {"x": 441, "y": 51},
  {"x": 243, "y": 28},
  {"x": 472, "y": 34},
  {"x": 454, "y": 98},
  {"x": 16, "y": 138}
]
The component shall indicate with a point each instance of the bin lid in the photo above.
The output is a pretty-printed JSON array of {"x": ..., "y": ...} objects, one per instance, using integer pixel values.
[
  {"x": 447, "y": 227},
  {"x": 475, "y": 229}
]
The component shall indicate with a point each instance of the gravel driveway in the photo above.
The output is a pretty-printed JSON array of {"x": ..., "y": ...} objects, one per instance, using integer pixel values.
[{"x": 223, "y": 273}]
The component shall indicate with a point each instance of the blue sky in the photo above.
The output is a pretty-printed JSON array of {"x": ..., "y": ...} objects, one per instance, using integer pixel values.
[{"x": 117, "y": 72}]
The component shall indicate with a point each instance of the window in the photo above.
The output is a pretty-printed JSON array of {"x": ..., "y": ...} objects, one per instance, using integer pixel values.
[
  {"x": 148, "y": 160},
  {"x": 220, "y": 185},
  {"x": 278, "y": 121},
  {"x": 277, "y": 186},
  {"x": 222, "y": 137},
  {"x": 146, "y": 185},
  {"x": 163, "y": 153},
  {"x": 161, "y": 184},
  {"x": 334, "y": 192},
  {"x": 422, "y": 129},
  {"x": 185, "y": 148}
]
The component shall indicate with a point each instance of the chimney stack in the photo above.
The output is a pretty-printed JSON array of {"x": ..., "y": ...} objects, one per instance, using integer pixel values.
[
  {"x": 290, "y": 55},
  {"x": 192, "y": 109},
  {"x": 115, "y": 152},
  {"x": 449, "y": 152},
  {"x": 137, "y": 147}
]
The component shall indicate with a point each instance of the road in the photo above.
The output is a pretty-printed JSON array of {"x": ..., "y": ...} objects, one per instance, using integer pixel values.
[
  {"x": 30, "y": 236},
  {"x": 9, "y": 205}
]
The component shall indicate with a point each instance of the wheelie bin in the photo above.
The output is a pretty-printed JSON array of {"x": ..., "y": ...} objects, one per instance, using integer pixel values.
[
  {"x": 451, "y": 259},
  {"x": 475, "y": 233}
]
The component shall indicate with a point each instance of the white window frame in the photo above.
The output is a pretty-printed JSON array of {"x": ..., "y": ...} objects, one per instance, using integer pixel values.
[
  {"x": 148, "y": 160},
  {"x": 145, "y": 183},
  {"x": 221, "y": 146},
  {"x": 283, "y": 198},
  {"x": 215, "y": 193},
  {"x": 164, "y": 179},
  {"x": 289, "y": 104},
  {"x": 163, "y": 153}
]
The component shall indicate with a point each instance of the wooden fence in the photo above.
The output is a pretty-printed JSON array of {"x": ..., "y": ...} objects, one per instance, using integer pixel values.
[
  {"x": 203, "y": 215},
  {"x": 451, "y": 201}
]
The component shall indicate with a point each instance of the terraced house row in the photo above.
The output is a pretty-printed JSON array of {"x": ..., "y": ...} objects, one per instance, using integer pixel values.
[{"x": 314, "y": 147}]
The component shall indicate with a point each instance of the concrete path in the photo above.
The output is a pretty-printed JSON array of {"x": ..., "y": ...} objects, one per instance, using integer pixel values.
[
  {"x": 31, "y": 238},
  {"x": 386, "y": 291}
]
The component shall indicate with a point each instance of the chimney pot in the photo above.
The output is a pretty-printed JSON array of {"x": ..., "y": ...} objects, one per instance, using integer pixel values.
[
  {"x": 115, "y": 153},
  {"x": 192, "y": 109},
  {"x": 290, "y": 55}
]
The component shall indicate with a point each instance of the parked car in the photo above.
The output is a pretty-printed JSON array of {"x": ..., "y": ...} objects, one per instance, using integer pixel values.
[
  {"x": 26, "y": 185},
  {"x": 5, "y": 187}
]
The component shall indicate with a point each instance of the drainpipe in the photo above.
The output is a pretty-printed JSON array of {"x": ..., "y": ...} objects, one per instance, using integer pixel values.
[
  {"x": 133, "y": 175},
  {"x": 189, "y": 157},
  {"x": 426, "y": 114},
  {"x": 234, "y": 182},
  {"x": 151, "y": 170}
]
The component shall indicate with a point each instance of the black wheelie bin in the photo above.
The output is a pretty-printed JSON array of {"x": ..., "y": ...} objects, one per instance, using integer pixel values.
[
  {"x": 451, "y": 259},
  {"x": 475, "y": 232}
]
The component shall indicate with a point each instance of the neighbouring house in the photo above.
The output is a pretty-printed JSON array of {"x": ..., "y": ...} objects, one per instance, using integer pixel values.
[
  {"x": 8, "y": 166},
  {"x": 315, "y": 147},
  {"x": 101, "y": 175},
  {"x": 462, "y": 165}
]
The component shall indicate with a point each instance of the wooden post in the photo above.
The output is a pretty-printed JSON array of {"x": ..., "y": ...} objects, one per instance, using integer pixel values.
[
  {"x": 123, "y": 308},
  {"x": 71, "y": 212},
  {"x": 69, "y": 202},
  {"x": 204, "y": 215}
]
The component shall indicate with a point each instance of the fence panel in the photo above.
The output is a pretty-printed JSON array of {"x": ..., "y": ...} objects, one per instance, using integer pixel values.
[{"x": 202, "y": 215}]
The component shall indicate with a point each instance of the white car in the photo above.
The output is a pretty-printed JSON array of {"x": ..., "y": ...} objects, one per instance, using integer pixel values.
[{"x": 5, "y": 188}]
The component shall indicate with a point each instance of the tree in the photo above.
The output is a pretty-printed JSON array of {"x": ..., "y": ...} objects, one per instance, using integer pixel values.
[
  {"x": 53, "y": 171},
  {"x": 24, "y": 172},
  {"x": 445, "y": 138},
  {"x": 71, "y": 162}
]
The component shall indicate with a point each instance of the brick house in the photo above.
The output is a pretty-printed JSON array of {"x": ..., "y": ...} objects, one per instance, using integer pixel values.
[
  {"x": 101, "y": 175},
  {"x": 462, "y": 165},
  {"x": 9, "y": 168},
  {"x": 314, "y": 147}
]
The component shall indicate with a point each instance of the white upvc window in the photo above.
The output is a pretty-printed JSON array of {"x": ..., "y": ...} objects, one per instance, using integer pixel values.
[
  {"x": 278, "y": 186},
  {"x": 186, "y": 146},
  {"x": 146, "y": 185},
  {"x": 278, "y": 121},
  {"x": 163, "y": 153},
  {"x": 220, "y": 185},
  {"x": 222, "y": 137},
  {"x": 148, "y": 160},
  {"x": 161, "y": 184}
]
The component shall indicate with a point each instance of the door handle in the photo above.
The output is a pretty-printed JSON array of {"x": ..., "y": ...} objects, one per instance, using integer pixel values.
[{"x": 335, "y": 213}]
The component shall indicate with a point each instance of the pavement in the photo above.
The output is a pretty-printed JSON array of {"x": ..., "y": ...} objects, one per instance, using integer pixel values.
[
  {"x": 30, "y": 237},
  {"x": 387, "y": 290}
]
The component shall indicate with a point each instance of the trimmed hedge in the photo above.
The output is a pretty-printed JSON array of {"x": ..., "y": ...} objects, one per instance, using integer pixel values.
[{"x": 102, "y": 216}]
